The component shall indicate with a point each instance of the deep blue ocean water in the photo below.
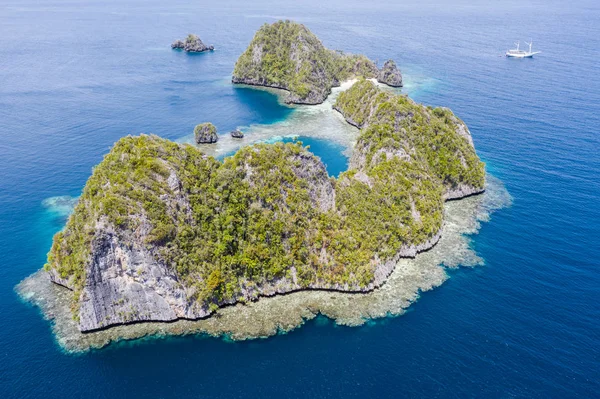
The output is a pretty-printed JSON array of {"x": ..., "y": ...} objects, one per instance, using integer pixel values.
[{"x": 76, "y": 75}]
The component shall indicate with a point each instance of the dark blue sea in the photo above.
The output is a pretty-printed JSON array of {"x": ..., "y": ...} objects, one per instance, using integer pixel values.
[{"x": 77, "y": 75}]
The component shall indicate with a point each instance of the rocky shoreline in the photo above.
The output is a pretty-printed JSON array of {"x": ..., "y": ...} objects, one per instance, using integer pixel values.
[
  {"x": 277, "y": 288},
  {"x": 462, "y": 191},
  {"x": 288, "y": 98}
]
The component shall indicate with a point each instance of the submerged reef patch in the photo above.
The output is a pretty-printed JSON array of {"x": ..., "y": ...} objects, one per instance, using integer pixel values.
[{"x": 61, "y": 205}]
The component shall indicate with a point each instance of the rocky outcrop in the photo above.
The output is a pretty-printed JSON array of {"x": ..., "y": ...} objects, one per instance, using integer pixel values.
[
  {"x": 127, "y": 283},
  {"x": 304, "y": 168},
  {"x": 237, "y": 134},
  {"x": 390, "y": 74},
  {"x": 191, "y": 44},
  {"x": 395, "y": 135},
  {"x": 205, "y": 133},
  {"x": 286, "y": 55},
  {"x": 320, "y": 188},
  {"x": 178, "y": 45},
  {"x": 126, "y": 268}
]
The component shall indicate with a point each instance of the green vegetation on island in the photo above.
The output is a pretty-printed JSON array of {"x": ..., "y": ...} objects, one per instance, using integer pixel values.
[
  {"x": 396, "y": 125},
  {"x": 288, "y": 56}
]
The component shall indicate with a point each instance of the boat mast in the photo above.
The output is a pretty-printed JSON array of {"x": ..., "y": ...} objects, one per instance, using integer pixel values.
[{"x": 530, "y": 44}]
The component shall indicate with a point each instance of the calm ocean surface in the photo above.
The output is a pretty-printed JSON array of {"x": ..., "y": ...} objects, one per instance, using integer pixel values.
[{"x": 76, "y": 75}]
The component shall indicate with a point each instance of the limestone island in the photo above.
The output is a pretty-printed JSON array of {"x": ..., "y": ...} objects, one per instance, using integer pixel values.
[
  {"x": 390, "y": 74},
  {"x": 286, "y": 55},
  {"x": 205, "y": 133},
  {"x": 191, "y": 44},
  {"x": 163, "y": 232}
]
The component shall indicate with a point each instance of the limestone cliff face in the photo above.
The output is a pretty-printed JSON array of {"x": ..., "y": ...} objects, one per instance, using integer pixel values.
[
  {"x": 286, "y": 55},
  {"x": 125, "y": 278},
  {"x": 126, "y": 281}
]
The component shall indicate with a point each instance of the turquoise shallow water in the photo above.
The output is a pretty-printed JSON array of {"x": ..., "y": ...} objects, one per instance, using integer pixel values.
[{"x": 76, "y": 76}]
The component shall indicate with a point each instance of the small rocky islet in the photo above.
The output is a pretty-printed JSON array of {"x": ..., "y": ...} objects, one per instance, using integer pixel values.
[
  {"x": 163, "y": 232},
  {"x": 390, "y": 74},
  {"x": 237, "y": 134},
  {"x": 205, "y": 133},
  {"x": 191, "y": 44}
]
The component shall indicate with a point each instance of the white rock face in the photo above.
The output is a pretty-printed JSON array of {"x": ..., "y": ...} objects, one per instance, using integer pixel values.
[
  {"x": 320, "y": 188},
  {"x": 461, "y": 191},
  {"x": 126, "y": 283}
]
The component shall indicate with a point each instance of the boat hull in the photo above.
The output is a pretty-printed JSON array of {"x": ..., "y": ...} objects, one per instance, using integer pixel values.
[{"x": 519, "y": 55}]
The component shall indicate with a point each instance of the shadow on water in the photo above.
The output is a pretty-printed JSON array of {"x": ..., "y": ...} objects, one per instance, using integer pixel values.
[{"x": 263, "y": 104}]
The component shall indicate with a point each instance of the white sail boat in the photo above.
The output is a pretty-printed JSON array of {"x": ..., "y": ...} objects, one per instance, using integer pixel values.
[{"x": 518, "y": 53}]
